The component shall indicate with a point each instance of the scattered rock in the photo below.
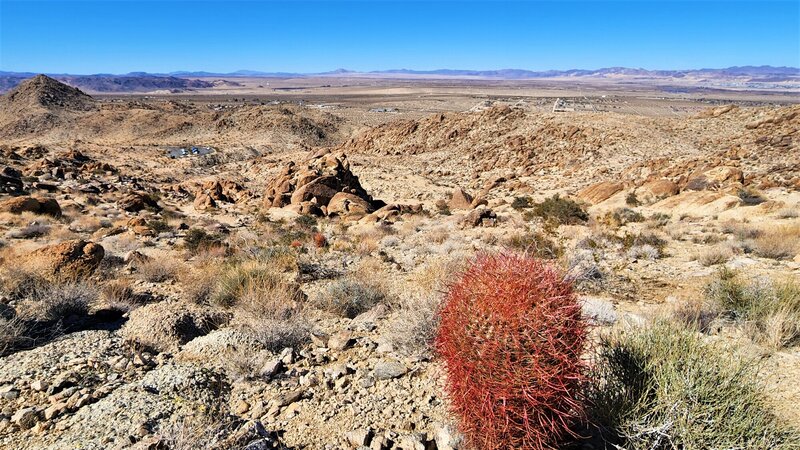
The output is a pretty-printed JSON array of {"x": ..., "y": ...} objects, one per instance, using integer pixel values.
[
  {"x": 385, "y": 370},
  {"x": 19, "y": 205}
]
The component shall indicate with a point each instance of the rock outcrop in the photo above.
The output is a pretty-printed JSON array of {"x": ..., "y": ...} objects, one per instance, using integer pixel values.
[
  {"x": 137, "y": 201},
  {"x": 68, "y": 260},
  {"x": 324, "y": 184},
  {"x": 211, "y": 193},
  {"x": 600, "y": 192},
  {"x": 19, "y": 205}
]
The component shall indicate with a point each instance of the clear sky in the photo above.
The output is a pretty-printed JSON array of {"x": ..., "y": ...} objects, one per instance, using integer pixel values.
[{"x": 115, "y": 36}]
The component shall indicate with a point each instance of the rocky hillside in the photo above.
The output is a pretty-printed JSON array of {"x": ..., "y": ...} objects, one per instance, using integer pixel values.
[
  {"x": 764, "y": 141},
  {"x": 45, "y": 110}
]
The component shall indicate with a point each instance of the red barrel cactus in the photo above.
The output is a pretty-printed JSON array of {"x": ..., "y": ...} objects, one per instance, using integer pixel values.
[{"x": 511, "y": 337}]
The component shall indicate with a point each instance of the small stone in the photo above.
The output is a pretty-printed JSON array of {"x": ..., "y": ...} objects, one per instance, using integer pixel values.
[
  {"x": 39, "y": 385},
  {"x": 359, "y": 438},
  {"x": 335, "y": 371},
  {"x": 367, "y": 382},
  {"x": 25, "y": 418},
  {"x": 319, "y": 339},
  {"x": 340, "y": 340},
  {"x": 386, "y": 370},
  {"x": 242, "y": 407},
  {"x": 288, "y": 398},
  {"x": 271, "y": 368},
  {"x": 54, "y": 410}
]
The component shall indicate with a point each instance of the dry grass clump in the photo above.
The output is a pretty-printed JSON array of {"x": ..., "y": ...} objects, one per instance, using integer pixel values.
[
  {"x": 265, "y": 275},
  {"x": 718, "y": 254},
  {"x": 349, "y": 297},
  {"x": 778, "y": 243},
  {"x": 412, "y": 329},
  {"x": 199, "y": 281},
  {"x": 535, "y": 244},
  {"x": 662, "y": 387},
  {"x": 199, "y": 240},
  {"x": 56, "y": 301},
  {"x": 12, "y": 334},
  {"x": 769, "y": 311},
  {"x": 30, "y": 231},
  {"x": 620, "y": 217},
  {"x": 159, "y": 270},
  {"x": 266, "y": 303}
]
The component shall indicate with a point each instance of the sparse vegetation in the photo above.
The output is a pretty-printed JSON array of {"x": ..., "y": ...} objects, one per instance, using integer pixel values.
[
  {"x": 561, "y": 211},
  {"x": 159, "y": 270},
  {"x": 198, "y": 239},
  {"x": 769, "y": 311},
  {"x": 660, "y": 386},
  {"x": 520, "y": 203},
  {"x": 350, "y": 297},
  {"x": 535, "y": 244},
  {"x": 778, "y": 243},
  {"x": 719, "y": 254}
]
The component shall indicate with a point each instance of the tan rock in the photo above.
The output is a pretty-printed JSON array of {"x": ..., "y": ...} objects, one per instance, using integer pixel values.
[
  {"x": 69, "y": 260},
  {"x": 657, "y": 190},
  {"x": 600, "y": 192},
  {"x": 460, "y": 199},
  {"x": 346, "y": 204}
]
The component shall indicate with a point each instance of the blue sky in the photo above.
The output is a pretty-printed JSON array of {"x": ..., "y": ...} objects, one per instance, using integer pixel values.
[{"x": 298, "y": 36}]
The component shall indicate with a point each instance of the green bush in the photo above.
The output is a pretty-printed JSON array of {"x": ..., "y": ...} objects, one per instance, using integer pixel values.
[
  {"x": 521, "y": 203},
  {"x": 769, "y": 310},
  {"x": 661, "y": 387},
  {"x": 198, "y": 239},
  {"x": 561, "y": 211}
]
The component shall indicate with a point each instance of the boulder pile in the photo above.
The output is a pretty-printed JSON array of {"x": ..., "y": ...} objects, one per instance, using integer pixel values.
[{"x": 322, "y": 185}]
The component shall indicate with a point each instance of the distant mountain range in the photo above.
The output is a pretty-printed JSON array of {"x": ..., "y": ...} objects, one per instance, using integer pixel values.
[
  {"x": 514, "y": 74},
  {"x": 185, "y": 80}
]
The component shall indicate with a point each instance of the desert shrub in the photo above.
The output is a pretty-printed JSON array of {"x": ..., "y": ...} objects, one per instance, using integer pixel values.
[
  {"x": 778, "y": 243},
  {"x": 414, "y": 324},
  {"x": 159, "y": 226},
  {"x": 521, "y": 203},
  {"x": 12, "y": 332},
  {"x": 718, "y": 254},
  {"x": 57, "y": 301},
  {"x": 750, "y": 196},
  {"x": 250, "y": 277},
  {"x": 770, "y": 311},
  {"x": 293, "y": 331},
  {"x": 267, "y": 306},
  {"x": 159, "y": 270},
  {"x": 661, "y": 387},
  {"x": 306, "y": 222},
  {"x": 631, "y": 199},
  {"x": 119, "y": 293},
  {"x": 622, "y": 216},
  {"x": 32, "y": 230},
  {"x": 658, "y": 220},
  {"x": 561, "y": 211},
  {"x": 511, "y": 336},
  {"x": 350, "y": 297},
  {"x": 741, "y": 231},
  {"x": 198, "y": 239},
  {"x": 20, "y": 281},
  {"x": 535, "y": 244},
  {"x": 199, "y": 282}
]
